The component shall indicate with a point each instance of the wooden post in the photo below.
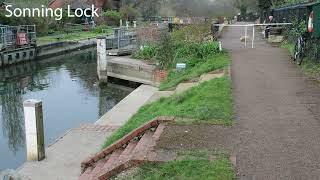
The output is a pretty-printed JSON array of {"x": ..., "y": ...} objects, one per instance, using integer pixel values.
[
  {"x": 34, "y": 130},
  {"x": 102, "y": 59}
]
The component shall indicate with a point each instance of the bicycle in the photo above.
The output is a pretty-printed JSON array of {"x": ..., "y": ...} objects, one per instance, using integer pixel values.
[{"x": 299, "y": 49}]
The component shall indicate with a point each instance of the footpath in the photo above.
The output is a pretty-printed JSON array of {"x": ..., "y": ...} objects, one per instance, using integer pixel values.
[{"x": 276, "y": 135}]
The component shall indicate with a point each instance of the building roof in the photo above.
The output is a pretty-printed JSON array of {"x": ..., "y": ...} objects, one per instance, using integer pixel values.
[
  {"x": 73, "y": 3},
  {"x": 79, "y": 3}
]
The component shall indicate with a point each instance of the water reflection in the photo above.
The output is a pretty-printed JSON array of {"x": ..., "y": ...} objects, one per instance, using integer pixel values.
[
  {"x": 11, "y": 116},
  {"x": 70, "y": 92},
  {"x": 16, "y": 81}
]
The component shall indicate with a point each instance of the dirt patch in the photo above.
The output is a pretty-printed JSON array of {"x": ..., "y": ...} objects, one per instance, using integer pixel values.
[{"x": 195, "y": 137}]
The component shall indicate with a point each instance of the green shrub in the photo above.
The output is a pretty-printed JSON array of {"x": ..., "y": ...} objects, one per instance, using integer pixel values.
[
  {"x": 148, "y": 52},
  {"x": 207, "y": 49},
  {"x": 99, "y": 28},
  {"x": 113, "y": 16},
  {"x": 165, "y": 51}
]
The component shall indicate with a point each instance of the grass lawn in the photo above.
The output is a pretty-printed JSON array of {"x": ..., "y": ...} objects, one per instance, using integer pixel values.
[
  {"x": 194, "y": 166},
  {"x": 210, "y": 102},
  {"x": 69, "y": 37},
  {"x": 197, "y": 67}
]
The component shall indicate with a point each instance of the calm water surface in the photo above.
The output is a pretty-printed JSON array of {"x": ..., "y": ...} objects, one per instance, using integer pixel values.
[{"x": 68, "y": 87}]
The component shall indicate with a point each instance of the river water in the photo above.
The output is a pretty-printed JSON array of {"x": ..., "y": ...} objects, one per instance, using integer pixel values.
[{"x": 71, "y": 96}]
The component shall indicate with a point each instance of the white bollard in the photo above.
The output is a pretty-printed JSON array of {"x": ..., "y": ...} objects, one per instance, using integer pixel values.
[
  {"x": 220, "y": 46},
  {"x": 121, "y": 23},
  {"x": 134, "y": 24},
  {"x": 34, "y": 130},
  {"x": 127, "y": 24},
  {"x": 102, "y": 59}
]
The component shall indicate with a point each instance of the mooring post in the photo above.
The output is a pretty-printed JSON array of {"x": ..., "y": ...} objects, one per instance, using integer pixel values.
[
  {"x": 121, "y": 23},
  {"x": 102, "y": 59},
  {"x": 33, "y": 115}
]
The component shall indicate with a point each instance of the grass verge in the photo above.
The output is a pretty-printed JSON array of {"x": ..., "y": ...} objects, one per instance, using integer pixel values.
[
  {"x": 210, "y": 102},
  {"x": 288, "y": 46},
  {"x": 195, "y": 165},
  {"x": 309, "y": 67},
  {"x": 196, "y": 67}
]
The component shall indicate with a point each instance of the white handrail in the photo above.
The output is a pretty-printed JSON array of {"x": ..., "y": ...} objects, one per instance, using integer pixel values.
[{"x": 253, "y": 31}]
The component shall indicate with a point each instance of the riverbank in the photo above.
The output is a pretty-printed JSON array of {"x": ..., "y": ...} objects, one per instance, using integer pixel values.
[
  {"x": 64, "y": 157},
  {"x": 71, "y": 94}
]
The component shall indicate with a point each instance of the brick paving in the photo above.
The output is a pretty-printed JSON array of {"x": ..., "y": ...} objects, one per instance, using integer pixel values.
[{"x": 98, "y": 128}]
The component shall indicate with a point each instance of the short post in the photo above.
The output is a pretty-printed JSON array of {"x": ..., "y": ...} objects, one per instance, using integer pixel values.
[
  {"x": 246, "y": 36},
  {"x": 134, "y": 24},
  {"x": 220, "y": 46},
  {"x": 253, "y": 36},
  {"x": 102, "y": 59},
  {"x": 127, "y": 24},
  {"x": 33, "y": 115},
  {"x": 121, "y": 23}
]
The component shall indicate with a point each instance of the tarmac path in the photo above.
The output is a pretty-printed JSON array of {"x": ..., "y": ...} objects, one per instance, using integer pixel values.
[{"x": 277, "y": 108}]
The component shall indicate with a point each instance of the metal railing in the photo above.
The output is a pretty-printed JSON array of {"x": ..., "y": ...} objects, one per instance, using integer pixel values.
[
  {"x": 9, "y": 35},
  {"x": 253, "y": 26},
  {"x": 122, "y": 40}
]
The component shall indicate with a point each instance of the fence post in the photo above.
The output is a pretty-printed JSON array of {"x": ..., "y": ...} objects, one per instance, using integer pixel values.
[
  {"x": 246, "y": 36},
  {"x": 127, "y": 24},
  {"x": 102, "y": 59},
  {"x": 34, "y": 130}
]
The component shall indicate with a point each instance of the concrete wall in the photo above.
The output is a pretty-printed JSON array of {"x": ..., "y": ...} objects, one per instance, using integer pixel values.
[
  {"x": 17, "y": 56},
  {"x": 135, "y": 70}
]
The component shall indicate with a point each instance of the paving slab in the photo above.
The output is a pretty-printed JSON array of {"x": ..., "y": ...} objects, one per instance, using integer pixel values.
[
  {"x": 64, "y": 157},
  {"x": 124, "y": 110}
]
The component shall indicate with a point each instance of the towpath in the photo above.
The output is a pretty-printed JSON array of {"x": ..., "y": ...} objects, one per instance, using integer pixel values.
[{"x": 277, "y": 131}]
